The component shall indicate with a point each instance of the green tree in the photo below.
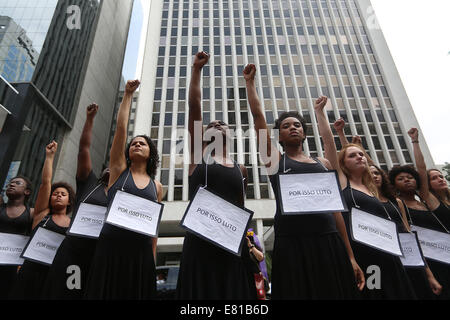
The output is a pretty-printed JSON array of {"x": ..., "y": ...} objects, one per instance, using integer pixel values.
[{"x": 446, "y": 171}]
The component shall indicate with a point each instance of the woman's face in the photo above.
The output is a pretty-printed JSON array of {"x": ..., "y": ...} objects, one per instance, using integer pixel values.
[
  {"x": 355, "y": 159},
  {"x": 60, "y": 198},
  {"x": 437, "y": 181},
  {"x": 291, "y": 132},
  {"x": 376, "y": 175},
  {"x": 405, "y": 182},
  {"x": 218, "y": 126},
  {"x": 139, "y": 149},
  {"x": 17, "y": 188}
]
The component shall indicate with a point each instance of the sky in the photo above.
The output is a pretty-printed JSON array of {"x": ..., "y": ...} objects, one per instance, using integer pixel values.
[{"x": 418, "y": 35}]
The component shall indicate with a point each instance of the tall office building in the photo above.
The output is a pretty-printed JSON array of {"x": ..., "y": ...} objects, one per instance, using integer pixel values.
[
  {"x": 302, "y": 49},
  {"x": 75, "y": 50}
]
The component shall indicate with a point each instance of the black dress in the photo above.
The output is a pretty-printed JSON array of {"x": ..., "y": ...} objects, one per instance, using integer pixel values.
[
  {"x": 32, "y": 275},
  {"x": 75, "y": 251},
  {"x": 21, "y": 226},
  {"x": 417, "y": 275},
  {"x": 440, "y": 270},
  {"x": 208, "y": 272},
  {"x": 123, "y": 266},
  {"x": 395, "y": 284},
  {"x": 443, "y": 214},
  {"x": 309, "y": 260}
]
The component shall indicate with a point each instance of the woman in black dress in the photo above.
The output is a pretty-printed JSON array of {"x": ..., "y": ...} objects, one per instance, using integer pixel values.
[
  {"x": 208, "y": 272},
  {"x": 312, "y": 257},
  {"x": 53, "y": 205},
  {"x": 123, "y": 266},
  {"x": 75, "y": 250},
  {"x": 15, "y": 218},
  {"x": 424, "y": 213},
  {"x": 439, "y": 188},
  {"x": 425, "y": 284}
]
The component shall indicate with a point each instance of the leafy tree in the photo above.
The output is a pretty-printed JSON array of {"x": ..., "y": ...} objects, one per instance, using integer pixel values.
[{"x": 446, "y": 171}]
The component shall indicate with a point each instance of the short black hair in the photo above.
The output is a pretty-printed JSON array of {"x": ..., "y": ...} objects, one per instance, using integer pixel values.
[
  {"x": 69, "y": 189},
  {"x": 291, "y": 114},
  {"x": 395, "y": 171},
  {"x": 153, "y": 161}
]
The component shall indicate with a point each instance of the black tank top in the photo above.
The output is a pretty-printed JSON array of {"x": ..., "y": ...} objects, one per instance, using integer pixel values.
[
  {"x": 20, "y": 225},
  {"x": 91, "y": 191},
  {"x": 297, "y": 225},
  {"x": 424, "y": 219},
  {"x": 224, "y": 181},
  {"x": 443, "y": 214},
  {"x": 49, "y": 224}
]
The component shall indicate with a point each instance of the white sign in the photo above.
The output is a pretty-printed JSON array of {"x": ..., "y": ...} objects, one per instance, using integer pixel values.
[
  {"x": 412, "y": 256},
  {"x": 134, "y": 213},
  {"x": 217, "y": 221},
  {"x": 43, "y": 246},
  {"x": 310, "y": 193},
  {"x": 88, "y": 221},
  {"x": 435, "y": 245},
  {"x": 375, "y": 232},
  {"x": 11, "y": 247}
]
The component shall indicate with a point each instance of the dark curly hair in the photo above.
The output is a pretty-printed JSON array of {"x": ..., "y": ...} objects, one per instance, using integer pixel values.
[
  {"x": 395, "y": 171},
  {"x": 153, "y": 161},
  {"x": 69, "y": 189},
  {"x": 386, "y": 189},
  {"x": 291, "y": 114}
]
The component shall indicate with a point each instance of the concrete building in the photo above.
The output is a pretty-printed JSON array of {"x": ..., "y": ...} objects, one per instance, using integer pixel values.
[
  {"x": 302, "y": 49},
  {"x": 80, "y": 46}
]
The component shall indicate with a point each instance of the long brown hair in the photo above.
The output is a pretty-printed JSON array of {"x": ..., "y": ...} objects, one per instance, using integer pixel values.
[{"x": 367, "y": 175}]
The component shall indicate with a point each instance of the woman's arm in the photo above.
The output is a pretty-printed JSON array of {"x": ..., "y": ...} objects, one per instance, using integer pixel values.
[
  {"x": 84, "y": 166},
  {"x": 195, "y": 110},
  {"x": 424, "y": 190},
  {"x": 270, "y": 155},
  {"x": 339, "y": 126},
  {"x": 159, "y": 191},
  {"x": 41, "y": 207},
  {"x": 118, "y": 162}
]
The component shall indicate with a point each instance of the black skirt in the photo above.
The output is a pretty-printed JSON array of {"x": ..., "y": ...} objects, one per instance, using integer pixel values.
[
  {"x": 123, "y": 267},
  {"x": 74, "y": 251},
  {"x": 420, "y": 283},
  {"x": 208, "y": 272},
  {"x": 312, "y": 267},
  {"x": 30, "y": 281},
  {"x": 441, "y": 272},
  {"x": 8, "y": 276}
]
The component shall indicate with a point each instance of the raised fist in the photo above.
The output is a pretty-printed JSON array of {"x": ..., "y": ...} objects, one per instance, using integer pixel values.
[
  {"x": 414, "y": 134},
  {"x": 357, "y": 140},
  {"x": 320, "y": 103},
  {"x": 201, "y": 58},
  {"x": 339, "y": 124},
  {"x": 91, "y": 110},
  {"x": 50, "y": 150},
  {"x": 250, "y": 72},
  {"x": 132, "y": 86}
]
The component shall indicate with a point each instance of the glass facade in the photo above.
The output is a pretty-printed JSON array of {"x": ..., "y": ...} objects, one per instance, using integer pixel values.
[
  {"x": 302, "y": 49},
  {"x": 38, "y": 47}
]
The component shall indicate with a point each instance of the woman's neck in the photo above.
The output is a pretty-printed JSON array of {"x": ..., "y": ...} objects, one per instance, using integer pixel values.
[
  {"x": 138, "y": 167},
  {"x": 16, "y": 203},
  {"x": 407, "y": 196},
  {"x": 294, "y": 152}
]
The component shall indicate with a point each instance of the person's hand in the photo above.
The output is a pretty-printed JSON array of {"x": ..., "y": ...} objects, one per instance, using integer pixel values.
[
  {"x": 249, "y": 243},
  {"x": 320, "y": 103},
  {"x": 357, "y": 140},
  {"x": 435, "y": 286},
  {"x": 359, "y": 275},
  {"x": 132, "y": 86},
  {"x": 414, "y": 134},
  {"x": 91, "y": 110},
  {"x": 250, "y": 72},
  {"x": 51, "y": 149},
  {"x": 339, "y": 124},
  {"x": 201, "y": 58}
]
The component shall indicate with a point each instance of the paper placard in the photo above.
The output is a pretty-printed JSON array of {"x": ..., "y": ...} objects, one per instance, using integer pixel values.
[
  {"x": 375, "y": 232},
  {"x": 435, "y": 245},
  {"x": 11, "y": 248},
  {"x": 412, "y": 255},
  {"x": 88, "y": 221},
  {"x": 134, "y": 213},
  {"x": 43, "y": 246},
  {"x": 217, "y": 221},
  {"x": 308, "y": 193}
]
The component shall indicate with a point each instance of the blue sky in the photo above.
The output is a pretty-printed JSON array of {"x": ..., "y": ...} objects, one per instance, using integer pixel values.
[{"x": 134, "y": 38}]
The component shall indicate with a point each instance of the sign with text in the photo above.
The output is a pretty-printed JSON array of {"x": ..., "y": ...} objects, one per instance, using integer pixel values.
[
  {"x": 412, "y": 255},
  {"x": 88, "y": 221},
  {"x": 217, "y": 220},
  {"x": 134, "y": 213},
  {"x": 11, "y": 248},
  {"x": 435, "y": 245},
  {"x": 43, "y": 246},
  {"x": 375, "y": 232},
  {"x": 309, "y": 193}
]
